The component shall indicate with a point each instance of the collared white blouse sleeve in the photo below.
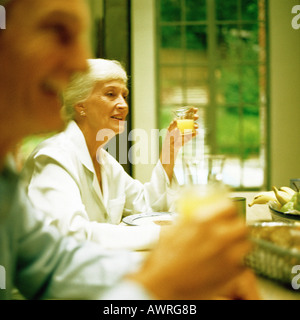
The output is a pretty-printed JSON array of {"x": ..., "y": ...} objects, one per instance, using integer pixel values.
[
  {"x": 55, "y": 186},
  {"x": 54, "y": 191},
  {"x": 156, "y": 195}
]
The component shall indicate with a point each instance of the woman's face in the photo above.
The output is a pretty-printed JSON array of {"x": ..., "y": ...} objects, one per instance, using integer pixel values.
[
  {"x": 106, "y": 107},
  {"x": 42, "y": 47}
]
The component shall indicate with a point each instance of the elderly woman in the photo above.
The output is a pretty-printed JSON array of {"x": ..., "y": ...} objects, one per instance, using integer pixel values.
[{"x": 80, "y": 187}]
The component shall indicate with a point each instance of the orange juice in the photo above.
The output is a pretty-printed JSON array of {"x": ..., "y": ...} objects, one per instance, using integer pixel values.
[
  {"x": 185, "y": 125},
  {"x": 195, "y": 201}
]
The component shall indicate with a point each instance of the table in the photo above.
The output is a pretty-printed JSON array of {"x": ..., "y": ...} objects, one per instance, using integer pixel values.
[{"x": 269, "y": 289}]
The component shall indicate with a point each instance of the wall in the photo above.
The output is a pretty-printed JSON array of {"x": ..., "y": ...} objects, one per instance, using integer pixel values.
[
  {"x": 143, "y": 77},
  {"x": 284, "y": 93}
]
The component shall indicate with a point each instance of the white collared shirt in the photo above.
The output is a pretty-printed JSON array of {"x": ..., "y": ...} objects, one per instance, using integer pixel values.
[{"x": 61, "y": 181}]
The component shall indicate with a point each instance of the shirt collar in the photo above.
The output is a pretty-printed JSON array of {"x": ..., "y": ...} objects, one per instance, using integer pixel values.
[{"x": 77, "y": 138}]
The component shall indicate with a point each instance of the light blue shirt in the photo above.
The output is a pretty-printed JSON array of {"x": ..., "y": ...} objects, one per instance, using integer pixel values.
[{"x": 43, "y": 264}]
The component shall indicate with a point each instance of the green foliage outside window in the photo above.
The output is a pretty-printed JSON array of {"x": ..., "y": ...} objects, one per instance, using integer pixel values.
[{"x": 237, "y": 58}]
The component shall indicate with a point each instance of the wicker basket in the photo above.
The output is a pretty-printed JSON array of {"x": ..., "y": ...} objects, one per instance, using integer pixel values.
[{"x": 273, "y": 260}]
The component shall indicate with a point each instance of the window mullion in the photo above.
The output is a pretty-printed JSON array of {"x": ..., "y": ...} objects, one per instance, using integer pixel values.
[{"x": 212, "y": 58}]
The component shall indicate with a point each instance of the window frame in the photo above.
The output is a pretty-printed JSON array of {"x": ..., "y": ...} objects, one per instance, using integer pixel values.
[{"x": 212, "y": 64}]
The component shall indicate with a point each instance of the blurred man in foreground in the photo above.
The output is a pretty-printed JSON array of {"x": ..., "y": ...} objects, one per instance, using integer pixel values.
[{"x": 43, "y": 44}]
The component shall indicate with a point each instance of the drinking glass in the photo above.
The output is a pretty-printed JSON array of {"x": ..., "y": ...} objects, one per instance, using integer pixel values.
[
  {"x": 203, "y": 170},
  {"x": 185, "y": 120},
  {"x": 201, "y": 201}
]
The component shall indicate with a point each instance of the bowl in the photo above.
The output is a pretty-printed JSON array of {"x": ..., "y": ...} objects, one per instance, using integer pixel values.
[{"x": 280, "y": 216}]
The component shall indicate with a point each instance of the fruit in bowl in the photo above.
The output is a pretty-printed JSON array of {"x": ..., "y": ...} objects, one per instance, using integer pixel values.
[
  {"x": 293, "y": 205},
  {"x": 290, "y": 216},
  {"x": 284, "y": 203},
  {"x": 280, "y": 196}
]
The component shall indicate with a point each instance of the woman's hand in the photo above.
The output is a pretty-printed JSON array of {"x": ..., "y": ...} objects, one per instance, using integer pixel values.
[{"x": 173, "y": 142}]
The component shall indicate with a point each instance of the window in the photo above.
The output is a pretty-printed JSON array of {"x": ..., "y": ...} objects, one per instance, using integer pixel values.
[{"x": 212, "y": 54}]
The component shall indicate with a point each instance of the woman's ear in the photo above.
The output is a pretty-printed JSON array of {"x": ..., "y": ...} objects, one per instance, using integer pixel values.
[{"x": 80, "y": 110}]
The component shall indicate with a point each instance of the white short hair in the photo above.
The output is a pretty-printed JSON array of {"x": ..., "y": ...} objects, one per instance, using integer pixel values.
[{"x": 83, "y": 83}]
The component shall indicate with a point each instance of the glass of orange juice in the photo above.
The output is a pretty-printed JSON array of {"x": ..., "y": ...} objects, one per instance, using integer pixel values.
[
  {"x": 201, "y": 201},
  {"x": 185, "y": 119}
]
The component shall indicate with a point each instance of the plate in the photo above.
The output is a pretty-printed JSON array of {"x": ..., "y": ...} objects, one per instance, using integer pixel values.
[{"x": 158, "y": 218}]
